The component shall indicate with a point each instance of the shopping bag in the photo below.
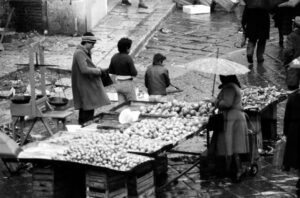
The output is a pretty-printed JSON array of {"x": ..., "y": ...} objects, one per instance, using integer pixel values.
[
  {"x": 241, "y": 39},
  {"x": 106, "y": 80},
  {"x": 279, "y": 153},
  {"x": 216, "y": 123}
]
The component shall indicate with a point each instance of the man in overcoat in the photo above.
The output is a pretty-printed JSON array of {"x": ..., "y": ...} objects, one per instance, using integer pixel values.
[
  {"x": 292, "y": 132},
  {"x": 87, "y": 87}
]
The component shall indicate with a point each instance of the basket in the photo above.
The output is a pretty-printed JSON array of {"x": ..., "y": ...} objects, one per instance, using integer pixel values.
[{"x": 58, "y": 101}]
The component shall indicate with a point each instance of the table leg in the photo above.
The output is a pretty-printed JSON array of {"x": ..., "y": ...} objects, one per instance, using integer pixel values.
[
  {"x": 15, "y": 121},
  {"x": 46, "y": 126},
  {"x": 28, "y": 132}
]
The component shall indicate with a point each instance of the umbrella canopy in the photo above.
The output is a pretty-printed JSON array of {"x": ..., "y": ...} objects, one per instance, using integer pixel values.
[
  {"x": 289, "y": 3},
  {"x": 218, "y": 66}
]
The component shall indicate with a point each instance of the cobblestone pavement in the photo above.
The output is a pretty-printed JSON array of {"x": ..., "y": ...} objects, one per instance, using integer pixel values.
[{"x": 183, "y": 38}]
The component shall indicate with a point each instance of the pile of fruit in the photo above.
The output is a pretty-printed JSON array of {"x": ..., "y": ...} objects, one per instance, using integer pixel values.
[
  {"x": 169, "y": 130},
  {"x": 177, "y": 108},
  {"x": 260, "y": 97},
  {"x": 105, "y": 150}
]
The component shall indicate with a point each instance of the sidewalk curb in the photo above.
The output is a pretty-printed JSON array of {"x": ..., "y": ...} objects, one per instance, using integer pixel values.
[{"x": 150, "y": 33}]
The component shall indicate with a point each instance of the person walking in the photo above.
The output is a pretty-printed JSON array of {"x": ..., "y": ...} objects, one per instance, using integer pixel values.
[
  {"x": 256, "y": 26},
  {"x": 232, "y": 143},
  {"x": 157, "y": 78},
  {"x": 290, "y": 52},
  {"x": 122, "y": 66},
  {"x": 283, "y": 18},
  {"x": 140, "y": 5},
  {"x": 291, "y": 130},
  {"x": 87, "y": 87}
]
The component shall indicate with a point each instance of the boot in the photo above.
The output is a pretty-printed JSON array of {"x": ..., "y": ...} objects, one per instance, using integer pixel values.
[
  {"x": 126, "y": 2},
  {"x": 239, "y": 172}
]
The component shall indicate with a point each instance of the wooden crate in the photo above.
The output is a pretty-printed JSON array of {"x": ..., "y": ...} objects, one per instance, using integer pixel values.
[
  {"x": 57, "y": 181},
  {"x": 47, "y": 183},
  {"x": 105, "y": 184},
  {"x": 141, "y": 181}
]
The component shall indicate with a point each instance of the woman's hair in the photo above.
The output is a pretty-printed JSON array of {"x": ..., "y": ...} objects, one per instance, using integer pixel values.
[
  {"x": 158, "y": 58},
  {"x": 86, "y": 34},
  {"x": 124, "y": 44},
  {"x": 229, "y": 79}
]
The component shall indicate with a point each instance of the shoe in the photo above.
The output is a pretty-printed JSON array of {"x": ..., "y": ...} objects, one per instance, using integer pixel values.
[
  {"x": 142, "y": 5},
  {"x": 250, "y": 59},
  {"x": 126, "y": 2}
]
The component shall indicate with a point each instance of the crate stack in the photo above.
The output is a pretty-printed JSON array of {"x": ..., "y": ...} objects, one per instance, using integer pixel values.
[
  {"x": 105, "y": 184},
  {"x": 48, "y": 182},
  {"x": 140, "y": 182}
]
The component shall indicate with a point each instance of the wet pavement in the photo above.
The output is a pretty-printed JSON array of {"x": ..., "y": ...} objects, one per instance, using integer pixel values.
[{"x": 183, "y": 38}]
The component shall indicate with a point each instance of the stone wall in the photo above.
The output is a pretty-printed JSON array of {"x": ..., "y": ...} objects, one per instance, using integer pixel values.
[{"x": 62, "y": 14}]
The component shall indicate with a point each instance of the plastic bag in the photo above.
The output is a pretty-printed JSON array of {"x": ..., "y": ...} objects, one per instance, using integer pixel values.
[{"x": 279, "y": 153}]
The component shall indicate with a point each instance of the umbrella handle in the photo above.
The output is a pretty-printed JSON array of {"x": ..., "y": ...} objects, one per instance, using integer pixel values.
[{"x": 213, "y": 90}]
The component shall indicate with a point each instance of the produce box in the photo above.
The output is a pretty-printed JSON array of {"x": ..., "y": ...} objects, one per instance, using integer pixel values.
[
  {"x": 140, "y": 182},
  {"x": 105, "y": 184},
  {"x": 57, "y": 181}
]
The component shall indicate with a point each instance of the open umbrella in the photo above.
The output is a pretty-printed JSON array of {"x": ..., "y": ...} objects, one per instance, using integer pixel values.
[{"x": 217, "y": 66}]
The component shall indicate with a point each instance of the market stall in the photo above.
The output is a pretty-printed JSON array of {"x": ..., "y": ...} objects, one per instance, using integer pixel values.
[{"x": 260, "y": 104}]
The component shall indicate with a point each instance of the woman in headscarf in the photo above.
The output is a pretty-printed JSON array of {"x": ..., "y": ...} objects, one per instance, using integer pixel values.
[{"x": 232, "y": 143}]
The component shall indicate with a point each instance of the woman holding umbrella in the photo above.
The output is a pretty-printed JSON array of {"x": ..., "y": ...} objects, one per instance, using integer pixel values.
[{"x": 232, "y": 143}]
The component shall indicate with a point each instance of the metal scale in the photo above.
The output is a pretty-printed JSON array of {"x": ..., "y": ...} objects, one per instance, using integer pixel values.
[{"x": 37, "y": 109}]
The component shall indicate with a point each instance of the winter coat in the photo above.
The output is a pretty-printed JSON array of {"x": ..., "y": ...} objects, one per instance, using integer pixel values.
[
  {"x": 291, "y": 130},
  {"x": 234, "y": 138},
  {"x": 87, "y": 87},
  {"x": 292, "y": 48},
  {"x": 283, "y": 19},
  {"x": 256, "y": 23},
  {"x": 157, "y": 80}
]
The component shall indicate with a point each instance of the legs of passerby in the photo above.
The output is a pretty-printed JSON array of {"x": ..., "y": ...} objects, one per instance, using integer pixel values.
[
  {"x": 142, "y": 4},
  {"x": 126, "y": 2},
  {"x": 261, "y": 46},
  {"x": 250, "y": 50},
  {"x": 85, "y": 116}
]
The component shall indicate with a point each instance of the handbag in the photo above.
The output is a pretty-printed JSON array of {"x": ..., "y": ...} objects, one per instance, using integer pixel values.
[
  {"x": 216, "y": 123},
  {"x": 106, "y": 80}
]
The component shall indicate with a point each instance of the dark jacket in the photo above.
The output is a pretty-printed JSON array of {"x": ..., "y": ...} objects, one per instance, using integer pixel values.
[
  {"x": 292, "y": 131},
  {"x": 87, "y": 87},
  {"x": 157, "y": 80},
  {"x": 256, "y": 23},
  {"x": 122, "y": 64},
  {"x": 283, "y": 19},
  {"x": 292, "y": 48}
]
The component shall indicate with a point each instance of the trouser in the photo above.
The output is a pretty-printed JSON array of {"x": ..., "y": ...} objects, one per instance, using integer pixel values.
[
  {"x": 157, "y": 98},
  {"x": 85, "y": 116},
  {"x": 261, "y": 45},
  {"x": 125, "y": 90}
]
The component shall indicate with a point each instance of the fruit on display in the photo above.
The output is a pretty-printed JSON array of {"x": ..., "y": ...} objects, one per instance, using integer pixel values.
[
  {"x": 179, "y": 108},
  {"x": 169, "y": 130},
  {"x": 260, "y": 97},
  {"x": 105, "y": 149}
]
